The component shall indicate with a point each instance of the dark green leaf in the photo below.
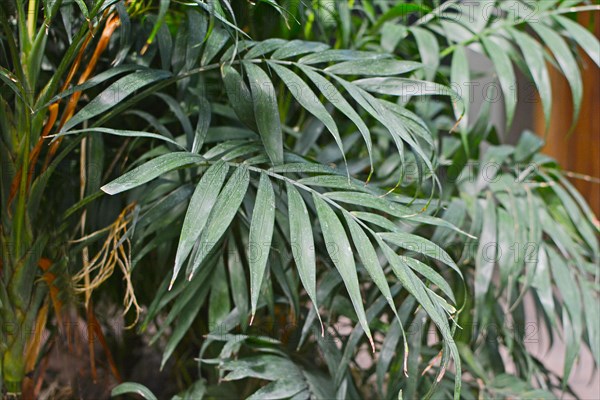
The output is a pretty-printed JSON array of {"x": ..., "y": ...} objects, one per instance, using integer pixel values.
[
  {"x": 266, "y": 112},
  {"x": 429, "y": 50},
  {"x": 280, "y": 389},
  {"x": 150, "y": 170},
  {"x": 369, "y": 258},
  {"x": 264, "y": 47},
  {"x": 115, "y": 94},
  {"x": 303, "y": 245},
  {"x": 133, "y": 388},
  {"x": 340, "y": 252},
  {"x": 486, "y": 251},
  {"x": 298, "y": 47},
  {"x": 337, "y": 100},
  {"x": 261, "y": 234},
  {"x": 506, "y": 76},
  {"x": 379, "y": 67},
  {"x": 239, "y": 96},
  {"x": 583, "y": 37},
  {"x": 201, "y": 204},
  {"x": 461, "y": 80},
  {"x": 567, "y": 64},
  {"x": 534, "y": 56},
  {"x": 341, "y": 55},
  {"x": 215, "y": 42},
  {"x": 218, "y": 303},
  {"x": 121, "y": 132},
  {"x": 221, "y": 215},
  {"x": 307, "y": 99}
]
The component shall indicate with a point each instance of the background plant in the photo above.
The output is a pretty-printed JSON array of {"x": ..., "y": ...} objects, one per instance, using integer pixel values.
[{"x": 286, "y": 171}]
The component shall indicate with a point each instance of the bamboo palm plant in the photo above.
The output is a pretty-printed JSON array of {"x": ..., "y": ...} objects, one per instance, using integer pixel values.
[{"x": 313, "y": 212}]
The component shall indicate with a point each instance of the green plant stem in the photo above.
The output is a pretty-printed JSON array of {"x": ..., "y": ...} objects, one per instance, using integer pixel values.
[
  {"x": 20, "y": 213},
  {"x": 31, "y": 18}
]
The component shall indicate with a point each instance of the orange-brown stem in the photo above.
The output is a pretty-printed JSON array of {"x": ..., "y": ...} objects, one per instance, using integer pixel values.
[
  {"x": 94, "y": 330},
  {"x": 110, "y": 27}
]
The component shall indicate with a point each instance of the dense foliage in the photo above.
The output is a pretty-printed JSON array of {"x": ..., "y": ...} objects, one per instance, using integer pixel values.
[{"x": 294, "y": 199}]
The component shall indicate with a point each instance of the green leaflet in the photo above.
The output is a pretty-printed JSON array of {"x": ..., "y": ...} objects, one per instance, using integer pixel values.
[
  {"x": 297, "y": 47},
  {"x": 392, "y": 121},
  {"x": 303, "y": 245},
  {"x": 221, "y": 215},
  {"x": 580, "y": 222},
  {"x": 416, "y": 288},
  {"x": 432, "y": 275},
  {"x": 341, "y": 55},
  {"x": 393, "y": 208},
  {"x": 181, "y": 115},
  {"x": 215, "y": 42},
  {"x": 592, "y": 319},
  {"x": 331, "y": 93},
  {"x": 239, "y": 96},
  {"x": 280, "y": 389},
  {"x": 404, "y": 87},
  {"x": 115, "y": 94},
  {"x": 165, "y": 43},
  {"x": 401, "y": 10},
  {"x": 572, "y": 319},
  {"x": 237, "y": 280},
  {"x": 121, "y": 132},
  {"x": 12, "y": 82},
  {"x": 567, "y": 64},
  {"x": 203, "y": 124},
  {"x": 506, "y": 76},
  {"x": 266, "y": 112},
  {"x": 534, "y": 57},
  {"x": 377, "y": 220},
  {"x": 198, "y": 26},
  {"x": 583, "y": 37},
  {"x": 429, "y": 50},
  {"x": 218, "y": 303},
  {"x": 266, "y": 366},
  {"x": 135, "y": 388},
  {"x": 391, "y": 35},
  {"x": 83, "y": 7},
  {"x": 543, "y": 285},
  {"x": 507, "y": 252},
  {"x": 200, "y": 206},
  {"x": 378, "y": 67},
  {"x": 261, "y": 234},
  {"x": 150, "y": 170},
  {"x": 264, "y": 47},
  {"x": 486, "y": 251},
  {"x": 307, "y": 99},
  {"x": 340, "y": 252},
  {"x": 529, "y": 144},
  {"x": 95, "y": 80},
  {"x": 368, "y": 256},
  {"x": 420, "y": 245},
  {"x": 460, "y": 78}
]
